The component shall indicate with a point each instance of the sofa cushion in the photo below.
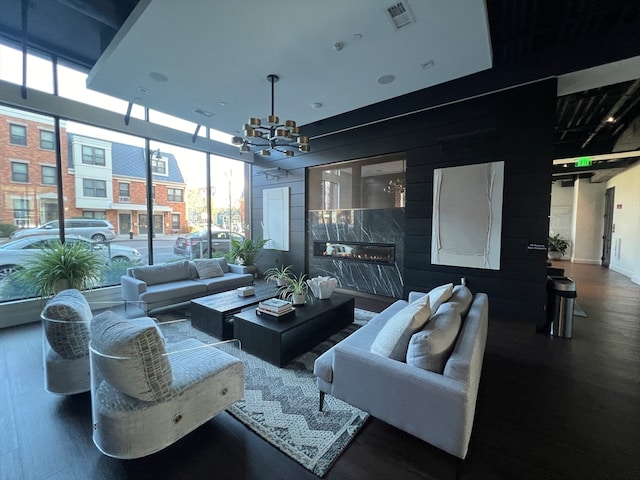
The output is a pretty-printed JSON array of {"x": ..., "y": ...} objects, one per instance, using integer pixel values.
[
  {"x": 430, "y": 348},
  {"x": 439, "y": 295},
  {"x": 461, "y": 299},
  {"x": 222, "y": 261},
  {"x": 141, "y": 369},
  {"x": 66, "y": 320},
  {"x": 208, "y": 268},
  {"x": 162, "y": 273},
  {"x": 393, "y": 338}
]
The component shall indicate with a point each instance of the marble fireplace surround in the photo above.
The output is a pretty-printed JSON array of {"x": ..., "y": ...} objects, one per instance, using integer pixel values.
[{"x": 359, "y": 226}]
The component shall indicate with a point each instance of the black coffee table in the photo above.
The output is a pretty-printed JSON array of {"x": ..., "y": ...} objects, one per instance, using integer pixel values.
[
  {"x": 214, "y": 314},
  {"x": 279, "y": 342}
]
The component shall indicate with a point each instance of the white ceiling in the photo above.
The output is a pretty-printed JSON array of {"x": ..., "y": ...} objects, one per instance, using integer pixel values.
[{"x": 216, "y": 55}]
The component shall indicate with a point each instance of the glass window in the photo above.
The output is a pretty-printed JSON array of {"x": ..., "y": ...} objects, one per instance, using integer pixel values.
[
  {"x": 48, "y": 175},
  {"x": 93, "y": 155},
  {"x": 21, "y": 212},
  {"x": 94, "y": 214},
  {"x": 124, "y": 191},
  {"x": 174, "y": 194},
  {"x": 94, "y": 188},
  {"x": 20, "y": 172},
  {"x": 17, "y": 134},
  {"x": 175, "y": 221},
  {"x": 159, "y": 166},
  {"x": 39, "y": 68},
  {"x": 47, "y": 140}
]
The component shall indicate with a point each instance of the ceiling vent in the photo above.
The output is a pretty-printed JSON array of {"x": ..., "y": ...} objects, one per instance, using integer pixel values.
[
  {"x": 203, "y": 112},
  {"x": 401, "y": 15}
]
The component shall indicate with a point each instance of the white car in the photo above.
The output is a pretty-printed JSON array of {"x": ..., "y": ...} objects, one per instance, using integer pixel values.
[
  {"x": 95, "y": 229},
  {"x": 15, "y": 254}
]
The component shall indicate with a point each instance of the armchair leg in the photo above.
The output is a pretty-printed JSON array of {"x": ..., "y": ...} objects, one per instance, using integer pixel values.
[{"x": 321, "y": 404}]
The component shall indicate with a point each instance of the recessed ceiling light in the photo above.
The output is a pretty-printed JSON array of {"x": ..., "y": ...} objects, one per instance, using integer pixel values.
[
  {"x": 316, "y": 105},
  {"x": 142, "y": 90},
  {"x": 222, "y": 104},
  {"x": 385, "y": 79},
  {"x": 158, "y": 77},
  {"x": 611, "y": 120},
  {"x": 357, "y": 36}
]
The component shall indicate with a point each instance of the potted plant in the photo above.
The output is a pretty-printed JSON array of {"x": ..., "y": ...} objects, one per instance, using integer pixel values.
[
  {"x": 557, "y": 247},
  {"x": 61, "y": 266},
  {"x": 244, "y": 252},
  {"x": 280, "y": 275},
  {"x": 295, "y": 290}
]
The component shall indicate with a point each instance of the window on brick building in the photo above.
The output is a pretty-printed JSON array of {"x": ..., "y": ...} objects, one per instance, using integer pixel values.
[
  {"x": 17, "y": 134},
  {"x": 124, "y": 192},
  {"x": 48, "y": 175},
  {"x": 175, "y": 221},
  {"x": 93, "y": 155},
  {"x": 159, "y": 166},
  {"x": 94, "y": 188},
  {"x": 20, "y": 172},
  {"x": 21, "y": 212},
  {"x": 47, "y": 140},
  {"x": 174, "y": 194}
]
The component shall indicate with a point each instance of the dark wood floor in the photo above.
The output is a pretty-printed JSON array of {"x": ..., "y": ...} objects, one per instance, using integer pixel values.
[{"x": 547, "y": 408}]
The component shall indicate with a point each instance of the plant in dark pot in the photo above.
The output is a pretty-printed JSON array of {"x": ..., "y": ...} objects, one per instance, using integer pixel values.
[
  {"x": 557, "y": 247},
  {"x": 245, "y": 252},
  {"x": 61, "y": 266},
  {"x": 279, "y": 275},
  {"x": 296, "y": 289}
]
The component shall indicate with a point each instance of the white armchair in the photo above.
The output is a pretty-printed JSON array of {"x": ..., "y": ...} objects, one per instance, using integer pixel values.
[{"x": 146, "y": 394}]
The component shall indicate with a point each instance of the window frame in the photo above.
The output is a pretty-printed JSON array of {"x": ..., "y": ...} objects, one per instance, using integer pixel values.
[
  {"x": 15, "y": 163},
  {"x": 171, "y": 194},
  {"x": 53, "y": 177},
  {"x": 44, "y": 143},
  {"x": 86, "y": 190},
  {"x": 91, "y": 158},
  {"x": 22, "y": 139}
]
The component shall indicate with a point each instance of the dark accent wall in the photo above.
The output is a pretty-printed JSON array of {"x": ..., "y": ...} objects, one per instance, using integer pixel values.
[{"x": 514, "y": 126}]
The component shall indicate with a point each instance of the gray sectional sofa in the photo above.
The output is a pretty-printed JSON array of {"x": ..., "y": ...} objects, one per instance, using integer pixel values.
[
  {"x": 177, "y": 282},
  {"x": 431, "y": 391}
]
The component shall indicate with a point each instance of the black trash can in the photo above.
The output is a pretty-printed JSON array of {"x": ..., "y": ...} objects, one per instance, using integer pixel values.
[{"x": 561, "y": 294}]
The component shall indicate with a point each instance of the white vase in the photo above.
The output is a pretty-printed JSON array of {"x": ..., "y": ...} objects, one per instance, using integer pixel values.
[{"x": 554, "y": 255}]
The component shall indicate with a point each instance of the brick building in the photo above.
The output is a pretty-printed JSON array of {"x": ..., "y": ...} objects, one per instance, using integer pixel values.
[{"x": 100, "y": 178}]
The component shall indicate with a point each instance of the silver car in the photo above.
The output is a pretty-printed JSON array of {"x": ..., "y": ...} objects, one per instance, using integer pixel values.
[
  {"x": 98, "y": 230},
  {"x": 15, "y": 254}
]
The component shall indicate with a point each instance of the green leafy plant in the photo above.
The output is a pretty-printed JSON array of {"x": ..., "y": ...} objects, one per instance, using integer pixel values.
[
  {"x": 6, "y": 229},
  {"x": 279, "y": 275},
  {"x": 245, "y": 252},
  {"x": 557, "y": 244},
  {"x": 60, "y": 266},
  {"x": 296, "y": 286}
]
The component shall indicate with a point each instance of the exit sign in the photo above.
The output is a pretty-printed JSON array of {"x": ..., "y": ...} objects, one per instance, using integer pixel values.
[{"x": 583, "y": 162}]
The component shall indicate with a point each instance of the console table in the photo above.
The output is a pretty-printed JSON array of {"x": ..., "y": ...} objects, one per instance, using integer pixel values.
[{"x": 279, "y": 342}]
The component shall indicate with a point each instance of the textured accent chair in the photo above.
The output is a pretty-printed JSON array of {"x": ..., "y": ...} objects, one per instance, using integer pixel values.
[
  {"x": 65, "y": 341},
  {"x": 146, "y": 394}
]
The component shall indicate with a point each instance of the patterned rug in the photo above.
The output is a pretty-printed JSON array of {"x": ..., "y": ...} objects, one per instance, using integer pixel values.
[{"x": 281, "y": 404}]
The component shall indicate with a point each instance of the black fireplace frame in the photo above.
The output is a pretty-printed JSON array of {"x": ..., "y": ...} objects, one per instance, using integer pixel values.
[{"x": 364, "y": 252}]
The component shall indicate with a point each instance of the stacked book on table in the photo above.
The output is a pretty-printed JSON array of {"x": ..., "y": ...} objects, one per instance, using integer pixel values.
[{"x": 275, "y": 309}]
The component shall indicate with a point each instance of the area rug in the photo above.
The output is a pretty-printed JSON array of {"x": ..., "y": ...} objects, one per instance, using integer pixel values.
[{"x": 281, "y": 404}]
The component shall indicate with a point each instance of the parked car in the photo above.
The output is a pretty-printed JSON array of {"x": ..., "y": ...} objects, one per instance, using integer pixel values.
[
  {"x": 16, "y": 253},
  {"x": 195, "y": 245},
  {"x": 98, "y": 230}
]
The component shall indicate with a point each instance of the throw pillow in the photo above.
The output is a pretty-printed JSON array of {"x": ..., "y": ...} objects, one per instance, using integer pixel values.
[
  {"x": 394, "y": 336},
  {"x": 439, "y": 295},
  {"x": 131, "y": 357},
  {"x": 66, "y": 320},
  {"x": 461, "y": 299},
  {"x": 208, "y": 268},
  {"x": 430, "y": 348}
]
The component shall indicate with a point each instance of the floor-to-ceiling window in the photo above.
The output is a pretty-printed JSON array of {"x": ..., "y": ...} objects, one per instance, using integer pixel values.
[{"x": 91, "y": 170}]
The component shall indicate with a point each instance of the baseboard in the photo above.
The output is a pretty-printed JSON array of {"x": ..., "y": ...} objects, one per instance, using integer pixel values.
[
  {"x": 586, "y": 261},
  {"x": 636, "y": 279},
  {"x": 622, "y": 271}
]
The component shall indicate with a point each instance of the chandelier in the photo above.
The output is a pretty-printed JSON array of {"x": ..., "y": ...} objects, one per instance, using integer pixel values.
[
  {"x": 395, "y": 186},
  {"x": 269, "y": 134}
]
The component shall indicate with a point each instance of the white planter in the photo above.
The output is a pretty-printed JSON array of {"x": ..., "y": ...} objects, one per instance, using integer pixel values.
[{"x": 298, "y": 299}]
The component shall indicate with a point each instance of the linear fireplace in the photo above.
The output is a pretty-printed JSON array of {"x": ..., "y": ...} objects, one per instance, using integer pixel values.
[{"x": 378, "y": 253}]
